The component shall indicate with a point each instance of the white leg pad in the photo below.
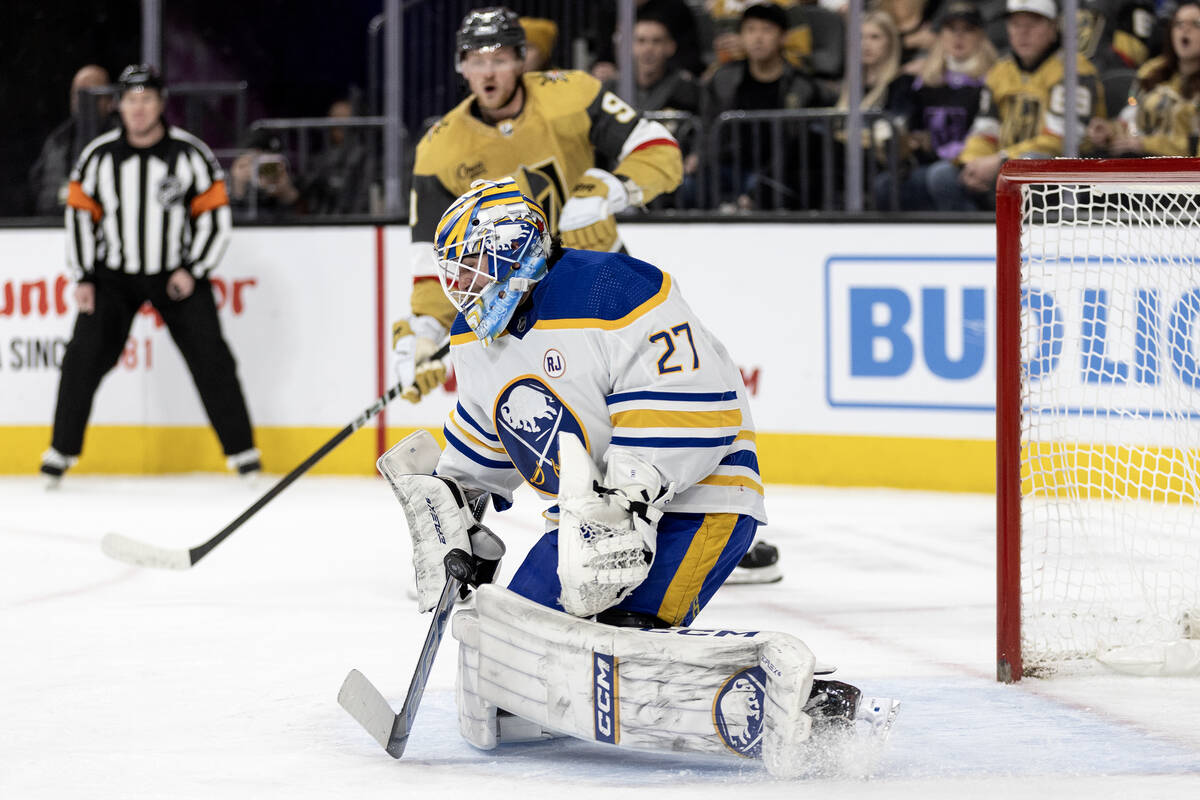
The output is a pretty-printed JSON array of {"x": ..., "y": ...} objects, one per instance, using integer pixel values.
[
  {"x": 480, "y": 722},
  {"x": 786, "y": 729},
  {"x": 678, "y": 689},
  {"x": 476, "y": 716}
]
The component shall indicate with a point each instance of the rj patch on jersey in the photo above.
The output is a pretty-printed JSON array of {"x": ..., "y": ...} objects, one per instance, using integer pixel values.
[{"x": 529, "y": 416}]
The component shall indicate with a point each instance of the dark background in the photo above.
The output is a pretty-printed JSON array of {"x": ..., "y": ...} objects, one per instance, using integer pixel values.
[{"x": 296, "y": 55}]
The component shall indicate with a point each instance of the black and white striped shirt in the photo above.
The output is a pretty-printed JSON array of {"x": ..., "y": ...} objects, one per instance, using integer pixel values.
[{"x": 146, "y": 210}]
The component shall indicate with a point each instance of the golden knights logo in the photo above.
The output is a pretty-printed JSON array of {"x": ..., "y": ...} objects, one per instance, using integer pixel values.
[
  {"x": 738, "y": 712},
  {"x": 529, "y": 416}
]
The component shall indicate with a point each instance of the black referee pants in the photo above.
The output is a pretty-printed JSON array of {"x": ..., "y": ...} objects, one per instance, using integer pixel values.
[{"x": 99, "y": 338}]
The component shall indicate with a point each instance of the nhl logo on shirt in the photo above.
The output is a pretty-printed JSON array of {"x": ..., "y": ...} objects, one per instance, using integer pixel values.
[
  {"x": 529, "y": 416},
  {"x": 738, "y": 712},
  {"x": 554, "y": 363},
  {"x": 169, "y": 191}
]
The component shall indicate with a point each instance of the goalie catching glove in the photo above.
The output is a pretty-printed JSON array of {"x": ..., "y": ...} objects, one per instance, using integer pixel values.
[
  {"x": 607, "y": 534},
  {"x": 414, "y": 341},
  {"x": 588, "y": 221}
]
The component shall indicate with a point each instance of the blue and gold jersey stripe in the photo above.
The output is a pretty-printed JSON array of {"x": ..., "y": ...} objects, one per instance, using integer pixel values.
[
  {"x": 609, "y": 324},
  {"x": 674, "y": 397},
  {"x": 462, "y": 414},
  {"x": 655, "y": 418},
  {"x": 467, "y": 451}
]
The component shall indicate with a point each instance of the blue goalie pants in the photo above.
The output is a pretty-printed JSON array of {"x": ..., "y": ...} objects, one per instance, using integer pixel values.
[{"x": 696, "y": 553}]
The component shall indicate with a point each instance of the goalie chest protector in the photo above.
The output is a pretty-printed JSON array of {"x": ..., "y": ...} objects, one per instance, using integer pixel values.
[{"x": 608, "y": 350}]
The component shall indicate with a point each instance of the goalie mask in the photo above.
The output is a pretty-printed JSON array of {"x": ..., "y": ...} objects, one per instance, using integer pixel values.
[{"x": 491, "y": 247}]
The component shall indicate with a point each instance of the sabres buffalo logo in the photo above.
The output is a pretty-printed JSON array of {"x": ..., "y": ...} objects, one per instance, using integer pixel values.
[
  {"x": 529, "y": 417},
  {"x": 738, "y": 712}
]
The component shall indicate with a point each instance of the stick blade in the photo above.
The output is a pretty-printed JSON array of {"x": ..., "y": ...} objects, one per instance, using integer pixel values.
[
  {"x": 140, "y": 554},
  {"x": 371, "y": 710}
]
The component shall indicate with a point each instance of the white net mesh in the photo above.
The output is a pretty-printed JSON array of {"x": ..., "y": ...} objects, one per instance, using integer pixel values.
[{"x": 1110, "y": 423}]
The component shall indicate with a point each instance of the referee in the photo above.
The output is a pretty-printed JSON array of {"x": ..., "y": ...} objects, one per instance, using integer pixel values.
[{"x": 147, "y": 219}]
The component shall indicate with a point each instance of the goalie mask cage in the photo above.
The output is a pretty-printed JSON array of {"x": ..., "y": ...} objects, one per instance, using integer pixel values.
[{"x": 1097, "y": 410}]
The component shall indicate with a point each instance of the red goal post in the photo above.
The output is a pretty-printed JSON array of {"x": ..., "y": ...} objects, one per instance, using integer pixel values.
[{"x": 1092, "y": 444}]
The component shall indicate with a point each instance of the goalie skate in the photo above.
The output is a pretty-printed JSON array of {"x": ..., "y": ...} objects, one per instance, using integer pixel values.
[
  {"x": 875, "y": 717},
  {"x": 838, "y": 706},
  {"x": 759, "y": 565}
]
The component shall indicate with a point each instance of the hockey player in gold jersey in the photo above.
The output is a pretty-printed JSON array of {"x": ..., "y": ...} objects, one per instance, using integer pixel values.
[
  {"x": 1022, "y": 110},
  {"x": 543, "y": 129}
]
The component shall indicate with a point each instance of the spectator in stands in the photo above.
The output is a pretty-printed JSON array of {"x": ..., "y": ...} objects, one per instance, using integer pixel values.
[
  {"x": 660, "y": 87},
  {"x": 540, "y": 36},
  {"x": 818, "y": 39},
  {"x": 914, "y": 23},
  {"x": 260, "y": 179},
  {"x": 763, "y": 81},
  {"x": 880, "y": 65},
  {"x": 725, "y": 16},
  {"x": 942, "y": 103},
  {"x": 884, "y": 88},
  {"x": 338, "y": 181},
  {"x": 1164, "y": 117},
  {"x": 678, "y": 18},
  {"x": 1016, "y": 117},
  {"x": 1117, "y": 34},
  {"x": 48, "y": 176}
]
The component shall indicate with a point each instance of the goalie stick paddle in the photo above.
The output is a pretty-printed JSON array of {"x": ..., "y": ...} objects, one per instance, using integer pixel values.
[
  {"x": 369, "y": 707},
  {"x": 142, "y": 554}
]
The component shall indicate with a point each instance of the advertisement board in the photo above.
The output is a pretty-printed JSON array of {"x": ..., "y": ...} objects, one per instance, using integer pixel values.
[{"x": 866, "y": 349}]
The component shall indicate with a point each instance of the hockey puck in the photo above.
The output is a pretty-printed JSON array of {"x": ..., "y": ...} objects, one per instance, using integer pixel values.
[{"x": 459, "y": 565}]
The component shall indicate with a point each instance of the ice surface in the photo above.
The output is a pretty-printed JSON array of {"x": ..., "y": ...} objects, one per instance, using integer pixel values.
[{"x": 220, "y": 682}]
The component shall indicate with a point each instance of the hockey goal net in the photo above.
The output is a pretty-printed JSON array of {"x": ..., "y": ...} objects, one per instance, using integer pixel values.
[{"x": 1098, "y": 416}]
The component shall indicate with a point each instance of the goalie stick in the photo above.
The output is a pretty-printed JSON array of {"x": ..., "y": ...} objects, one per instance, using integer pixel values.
[
  {"x": 142, "y": 554},
  {"x": 369, "y": 707}
]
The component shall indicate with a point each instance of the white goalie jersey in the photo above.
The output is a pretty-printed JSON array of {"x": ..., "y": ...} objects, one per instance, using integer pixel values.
[{"x": 607, "y": 350}]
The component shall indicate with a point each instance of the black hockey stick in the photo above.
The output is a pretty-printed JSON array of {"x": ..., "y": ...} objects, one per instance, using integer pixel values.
[
  {"x": 365, "y": 703},
  {"x": 141, "y": 554}
]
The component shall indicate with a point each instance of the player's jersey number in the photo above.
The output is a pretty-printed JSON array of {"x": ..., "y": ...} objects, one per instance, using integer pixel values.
[
  {"x": 614, "y": 105},
  {"x": 674, "y": 359}
]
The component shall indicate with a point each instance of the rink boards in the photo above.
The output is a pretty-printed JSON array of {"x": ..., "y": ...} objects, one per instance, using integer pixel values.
[{"x": 868, "y": 350}]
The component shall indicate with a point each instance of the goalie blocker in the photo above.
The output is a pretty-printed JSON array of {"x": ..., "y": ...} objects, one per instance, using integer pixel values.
[{"x": 744, "y": 693}]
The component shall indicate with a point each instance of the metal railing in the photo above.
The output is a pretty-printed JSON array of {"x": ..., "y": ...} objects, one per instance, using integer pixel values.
[
  {"x": 804, "y": 168},
  {"x": 688, "y": 130},
  {"x": 202, "y": 111},
  {"x": 304, "y": 139},
  {"x": 787, "y": 159},
  {"x": 198, "y": 107}
]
